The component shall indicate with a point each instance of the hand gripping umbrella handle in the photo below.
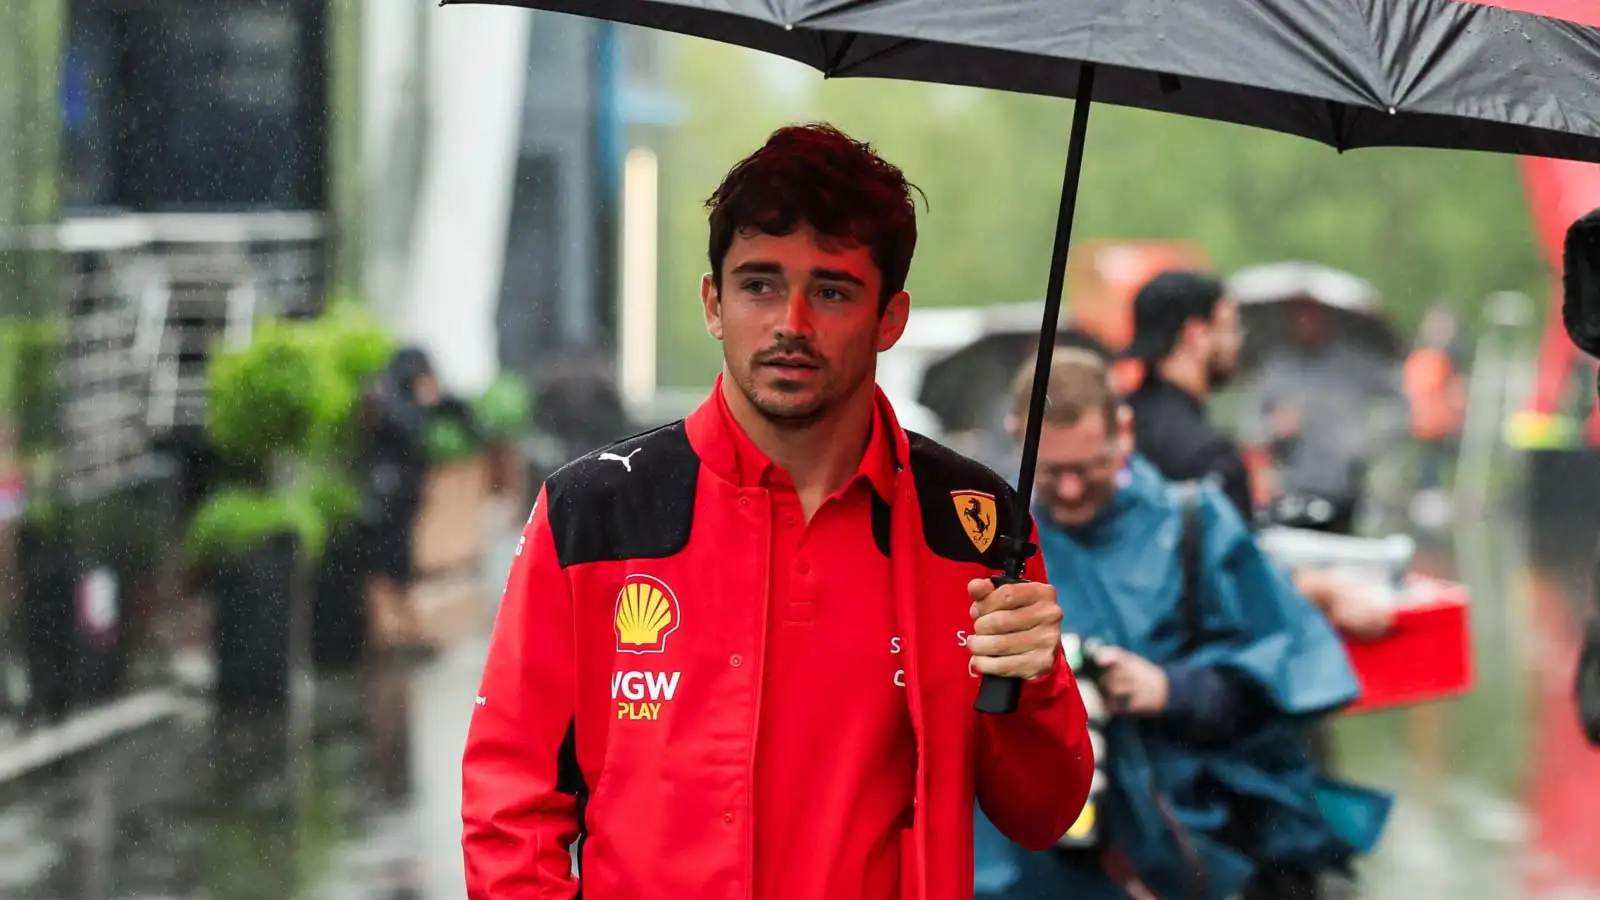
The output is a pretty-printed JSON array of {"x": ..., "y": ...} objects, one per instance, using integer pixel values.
[{"x": 998, "y": 694}]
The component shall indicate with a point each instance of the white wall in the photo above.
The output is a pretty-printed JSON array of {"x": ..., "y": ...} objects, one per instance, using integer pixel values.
[{"x": 443, "y": 92}]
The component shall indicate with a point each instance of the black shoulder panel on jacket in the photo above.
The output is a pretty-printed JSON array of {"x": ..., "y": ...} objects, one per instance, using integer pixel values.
[
  {"x": 880, "y": 523},
  {"x": 631, "y": 500},
  {"x": 941, "y": 476}
]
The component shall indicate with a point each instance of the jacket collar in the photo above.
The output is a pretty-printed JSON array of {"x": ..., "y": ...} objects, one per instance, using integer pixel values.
[{"x": 724, "y": 447}]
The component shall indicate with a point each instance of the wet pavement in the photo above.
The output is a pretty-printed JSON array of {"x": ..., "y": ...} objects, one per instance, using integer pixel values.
[
  {"x": 1497, "y": 795},
  {"x": 359, "y": 804}
]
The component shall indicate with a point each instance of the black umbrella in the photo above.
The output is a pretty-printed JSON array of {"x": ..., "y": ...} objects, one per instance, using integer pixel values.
[
  {"x": 1349, "y": 73},
  {"x": 966, "y": 386},
  {"x": 1269, "y": 296}
]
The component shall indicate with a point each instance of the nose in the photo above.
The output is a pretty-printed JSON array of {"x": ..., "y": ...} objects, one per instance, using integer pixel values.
[
  {"x": 797, "y": 312},
  {"x": 1069, "y": 488}
]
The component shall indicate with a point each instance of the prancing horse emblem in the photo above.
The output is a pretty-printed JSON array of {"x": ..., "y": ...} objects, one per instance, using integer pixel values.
[{"x": 976, "y": 511}]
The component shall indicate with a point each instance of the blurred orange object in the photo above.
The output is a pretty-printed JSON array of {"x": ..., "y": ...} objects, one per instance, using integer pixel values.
[{"x": 1103, "y": 277}]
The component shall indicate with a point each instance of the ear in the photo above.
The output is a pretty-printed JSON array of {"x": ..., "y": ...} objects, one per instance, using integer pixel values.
[
  {"x": 1194, "y": 333},
  {"x": 892, "y": 322},
  {"x": 711, "y": 300}
]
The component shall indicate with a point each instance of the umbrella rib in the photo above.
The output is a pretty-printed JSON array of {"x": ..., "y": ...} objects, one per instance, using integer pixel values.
[
  {"x": 838, "y": 67},
  {"x": 833, "y": 60},
  {"x": 1336, "y": 119}
]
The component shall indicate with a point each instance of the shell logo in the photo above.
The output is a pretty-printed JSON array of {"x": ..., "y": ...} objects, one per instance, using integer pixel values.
[{"x": 647, "y": 612}]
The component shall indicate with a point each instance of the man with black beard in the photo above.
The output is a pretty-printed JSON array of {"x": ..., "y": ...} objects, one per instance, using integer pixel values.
[{"x": 1187, "y": 335}]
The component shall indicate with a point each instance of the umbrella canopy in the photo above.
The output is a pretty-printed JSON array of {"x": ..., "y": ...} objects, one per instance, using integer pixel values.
[
  {"x": 967, "y": 385},
  {"x": 1354, "y": 73},
  {"x": 1268, "y": 294}
]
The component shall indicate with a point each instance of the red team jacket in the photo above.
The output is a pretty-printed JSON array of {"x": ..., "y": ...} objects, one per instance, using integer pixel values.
[{"x": 609, "y": 714}]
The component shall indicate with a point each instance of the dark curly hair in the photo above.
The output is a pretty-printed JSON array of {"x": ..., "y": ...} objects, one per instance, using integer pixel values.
[{"x": 819, "y": 176}]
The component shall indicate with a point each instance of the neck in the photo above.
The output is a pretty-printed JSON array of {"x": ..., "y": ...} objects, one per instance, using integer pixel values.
[
  {"x": 1188, "y": 374},
  {"x": 821, "y": 455}
]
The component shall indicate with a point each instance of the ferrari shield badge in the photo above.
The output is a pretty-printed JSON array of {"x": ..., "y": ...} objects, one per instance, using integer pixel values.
[{"x": 977, "y": 515}]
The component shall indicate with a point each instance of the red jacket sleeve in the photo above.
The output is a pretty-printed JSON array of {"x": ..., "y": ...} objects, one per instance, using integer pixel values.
[
  {"x": 1035, "y": 765},
  {"x": 519, "y": 818}
]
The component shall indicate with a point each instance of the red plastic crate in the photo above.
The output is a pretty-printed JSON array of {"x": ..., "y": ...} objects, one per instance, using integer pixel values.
[{"x": 1428, "y": 654}]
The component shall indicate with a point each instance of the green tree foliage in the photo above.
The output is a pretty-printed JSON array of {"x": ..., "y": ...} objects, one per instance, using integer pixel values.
[
  {"x": 1424, "y": 225},
  {"x": 30, "y": 59}
]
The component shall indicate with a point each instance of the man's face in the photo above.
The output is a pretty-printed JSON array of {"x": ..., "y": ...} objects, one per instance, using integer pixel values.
[
  {"x": 799, "y": 322},
  {"x": 1078, "y": 466},
  {"x": 1226, "y": 338},
  {"x": 425, "y": 389}
]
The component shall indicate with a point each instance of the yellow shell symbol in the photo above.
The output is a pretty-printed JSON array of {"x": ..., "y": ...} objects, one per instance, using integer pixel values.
[{"x": 644, "y": 612}]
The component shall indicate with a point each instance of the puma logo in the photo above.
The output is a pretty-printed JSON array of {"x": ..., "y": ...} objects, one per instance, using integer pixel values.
[{"x": 627, "y": 461}]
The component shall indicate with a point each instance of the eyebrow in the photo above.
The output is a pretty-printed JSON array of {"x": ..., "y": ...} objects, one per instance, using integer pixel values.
[
  {"x": 837, "y": 275},
  {"x": 761, "y": 267}
]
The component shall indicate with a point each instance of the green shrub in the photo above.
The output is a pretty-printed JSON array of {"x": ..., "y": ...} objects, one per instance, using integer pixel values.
[
  {"x": 29, "y": 379},
  {"x": 267, "y": 399},
  {"x": 503, "y": 409},
  {"x": 447, "y": 440},
  {"x": 235, "y": 520},
  {"x": 291, "y": 396},
  {"x": 354, "y": 340},
  {"x": 334, "y": 498}
]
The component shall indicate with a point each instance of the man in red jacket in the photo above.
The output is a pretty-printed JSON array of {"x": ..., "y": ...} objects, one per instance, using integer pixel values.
[{"x": 737, "y": 655}]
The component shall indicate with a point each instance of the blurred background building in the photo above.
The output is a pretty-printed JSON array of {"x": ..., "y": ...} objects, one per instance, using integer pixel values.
[{"x": 195, "y": 174}]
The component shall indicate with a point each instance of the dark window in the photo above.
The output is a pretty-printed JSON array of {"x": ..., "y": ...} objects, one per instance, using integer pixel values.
[{"x": 163, "y": 109}]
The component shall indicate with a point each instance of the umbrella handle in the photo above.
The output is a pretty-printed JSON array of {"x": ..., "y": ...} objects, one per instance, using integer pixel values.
[{"x": 998, "y": 694}]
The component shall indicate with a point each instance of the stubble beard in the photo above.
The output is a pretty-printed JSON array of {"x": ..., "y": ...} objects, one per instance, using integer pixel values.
[{"x": 780, "y": 408}]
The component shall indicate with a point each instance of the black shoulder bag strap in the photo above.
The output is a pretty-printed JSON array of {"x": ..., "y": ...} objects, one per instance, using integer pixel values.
[
  {"x": 1116, "y": 864},
  {"x": 1190, "y": 540}
]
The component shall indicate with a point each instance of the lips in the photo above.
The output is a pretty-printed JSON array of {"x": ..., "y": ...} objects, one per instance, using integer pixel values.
[{"x": 790, "y": 363}]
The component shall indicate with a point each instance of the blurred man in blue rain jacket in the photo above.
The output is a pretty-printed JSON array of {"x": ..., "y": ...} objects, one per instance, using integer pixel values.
[{"x": 1208, "y": 789}]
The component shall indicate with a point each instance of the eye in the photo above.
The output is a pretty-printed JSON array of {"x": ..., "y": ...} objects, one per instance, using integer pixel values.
[
  {"x": 832, "y": 293},
  {"x": 756, "y": 286}
]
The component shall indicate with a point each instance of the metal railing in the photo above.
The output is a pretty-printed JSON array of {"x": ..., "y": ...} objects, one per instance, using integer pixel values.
[
  {"x": 146, "y": 300},
  {"x": 1499, "y": 383}
]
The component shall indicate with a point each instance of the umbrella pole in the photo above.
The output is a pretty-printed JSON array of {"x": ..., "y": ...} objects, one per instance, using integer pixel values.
[{"x": 996, "y": 694}]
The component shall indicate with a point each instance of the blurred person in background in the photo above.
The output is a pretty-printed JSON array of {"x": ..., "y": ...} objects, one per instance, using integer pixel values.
[
  {"x": 579, "y": 403},
  {"x": 1206, "y": 660},
  {"x": 1186, "y": 334},
  {"x": 738, "y": 654},
  {"x": 1435, "y": 385},
  {"x": 1324, "y": 409},
  {"x": 1187, "y": 337},
  {"x": 396, "y": 410}
]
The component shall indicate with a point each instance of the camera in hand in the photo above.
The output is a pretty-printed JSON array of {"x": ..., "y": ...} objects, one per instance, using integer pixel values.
[{"x": 1085, "y": 833}]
